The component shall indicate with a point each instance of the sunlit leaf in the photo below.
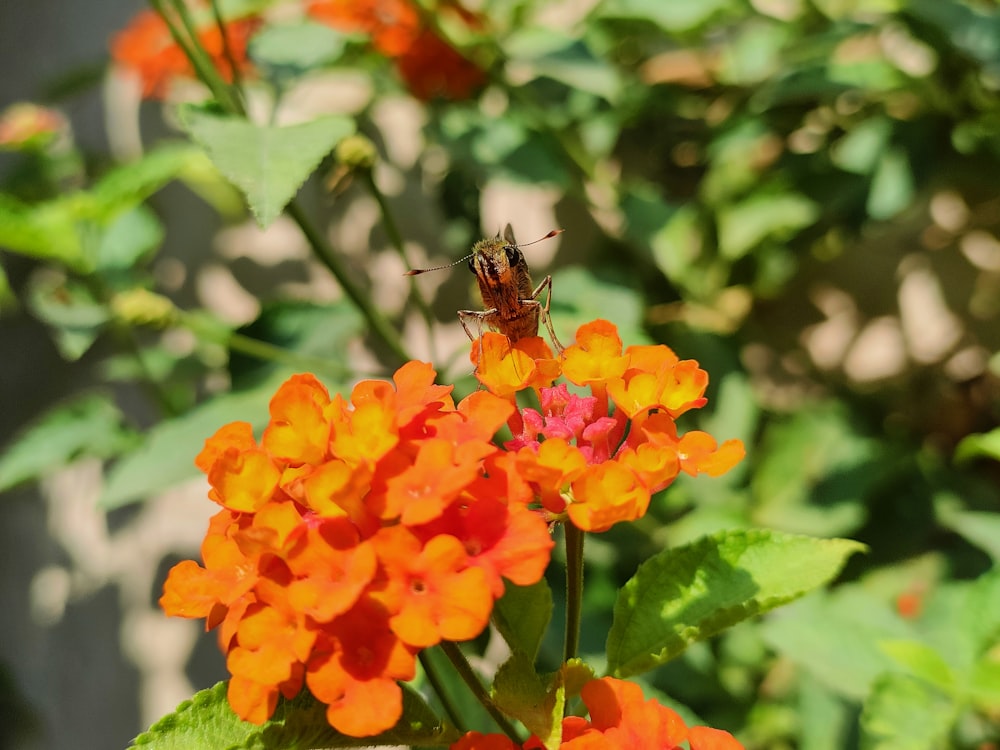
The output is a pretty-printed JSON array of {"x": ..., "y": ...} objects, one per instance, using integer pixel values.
[
  {"x": 904, "y": 713},
  {"x": 687, "y": 594},
  {"x": 206, "y": 722},
  {"x": 268, "y": 163}
]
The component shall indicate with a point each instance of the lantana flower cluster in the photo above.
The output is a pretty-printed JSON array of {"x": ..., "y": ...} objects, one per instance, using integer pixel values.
[
  {"x": 620, "y": 719},
  {"x": 357, "y": 532},
  {"x": 354, "y": 534},
  {"x": 578, "y": 457}
]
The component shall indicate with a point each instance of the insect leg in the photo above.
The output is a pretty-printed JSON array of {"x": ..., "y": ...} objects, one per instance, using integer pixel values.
[{"x": 546, "y": 317}]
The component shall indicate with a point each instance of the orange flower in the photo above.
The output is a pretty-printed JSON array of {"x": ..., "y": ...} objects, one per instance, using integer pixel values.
[
  {"x": 599, "y": 460},
  {"x": 620, "y": 719},
  {"x": 433, "y": 591},
  {"x": 146, "y": 47},
  {"x": 353, "y": 534},
  {"x": 432, "y": 69},
  {"x": 429, "y": 66}
]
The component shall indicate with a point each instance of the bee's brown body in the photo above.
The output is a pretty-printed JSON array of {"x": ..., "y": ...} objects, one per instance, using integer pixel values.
[{"x": 512, "y": 305}]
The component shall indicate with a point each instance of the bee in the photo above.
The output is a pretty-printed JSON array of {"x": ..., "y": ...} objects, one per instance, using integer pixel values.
[{"x": 513, "y": 307}]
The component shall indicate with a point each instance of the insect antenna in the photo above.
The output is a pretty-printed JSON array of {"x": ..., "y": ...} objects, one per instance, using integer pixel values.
[
  {"x": 549, "y": 236},
  {"x": 418, "y": 271}
]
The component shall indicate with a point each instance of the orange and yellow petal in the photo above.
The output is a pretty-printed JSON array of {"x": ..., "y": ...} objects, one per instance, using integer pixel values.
[
  {"x": 699, "y": 453},
  {"x": 299, "y": 431},
  {"x": 606, "y": 494},
  {"x": 596, "y": 357},
  {"x": 707, "y": 738},
  {"x": 243, "y": 480}
]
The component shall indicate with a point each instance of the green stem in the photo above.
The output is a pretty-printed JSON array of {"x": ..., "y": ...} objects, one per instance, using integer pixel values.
[
  {"x": 396, "y": 238},
  {"x": 437, "y": 684},
  {"x": 227, "y": 49},
  {"x": 325, "y": 254},
  {"x": 261, "y": 350},
  {"x": 574, "y": 589},
  {"x": 471, "y": 679},
  {"x": 203, "y": 63}
]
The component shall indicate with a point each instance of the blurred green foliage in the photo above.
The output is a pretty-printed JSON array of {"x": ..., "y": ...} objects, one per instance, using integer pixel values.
[{"x": 800, "y": 194}]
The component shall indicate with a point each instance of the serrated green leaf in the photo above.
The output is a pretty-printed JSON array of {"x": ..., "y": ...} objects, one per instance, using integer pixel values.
[
  {"x": 89, "y": 425},
  {"x": 523, "y": 694},
  {"x": 903, "y": 713},
  {"x": 685, "y": 595},
  {"x": 268, "y": 163},
  {"x": 206, "y": 722},
  {"x": 522, "y": 616}
]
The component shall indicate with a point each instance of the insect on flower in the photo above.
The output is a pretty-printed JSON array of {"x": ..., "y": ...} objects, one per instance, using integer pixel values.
[{"x": 513, "y": 307}]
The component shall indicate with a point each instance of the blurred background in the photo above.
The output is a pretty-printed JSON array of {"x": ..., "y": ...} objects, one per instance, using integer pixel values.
[{"x": 800, "y": 194}]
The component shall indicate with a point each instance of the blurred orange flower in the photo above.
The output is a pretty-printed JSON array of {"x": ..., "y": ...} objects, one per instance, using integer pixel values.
[
  {"x": 146, "y": 47},
  {"x": 429, "y": 66}
]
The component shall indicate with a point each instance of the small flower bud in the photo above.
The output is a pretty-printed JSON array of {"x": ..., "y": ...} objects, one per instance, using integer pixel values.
[
  {"x": 144, "y": 308},
  {"x": 356, "y": 152}
]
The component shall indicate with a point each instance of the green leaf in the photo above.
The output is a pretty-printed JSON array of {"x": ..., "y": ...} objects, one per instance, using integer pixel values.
[
  {"x": 166, "y": 454},
  {"x": 688, "y": 594},
  {"x": 834, "y": 637},
  {"x": 981, "y": 528},
  {"x": 892, "y": 185},
  {"x": 986, "y": 444},
  {"x": 521, "y": 693},
  {"x": 206, "y": 722},
  {"x": 903, "y": 713},
  {"x": 89, "y": 425},
  {"x": 294, "y": 48},
  {"x": 130, "y": 238},
  {"x": 268, "y": 163},
  {"x": 45, "y": 232},
  {"x": 815, "y": 469},
  {"x": 858, "y": 151},
  {"x": 580, "y": 295},
  {"x": 522, "y": 616},
  {"x": 70, "y": 308},
  {"x": 745, "y": 225},
  {"x": 984, "y": 684},
  {"x": 62, "y": 230},
  {"x": 670, "y": 16},
  {"x": 128, "y": 185},
  {"x": 922, "y": 661}
]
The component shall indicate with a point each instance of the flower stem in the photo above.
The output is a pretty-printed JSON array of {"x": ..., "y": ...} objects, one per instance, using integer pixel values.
[
  {"x": 574, "y": 589},
  {"x": 437, "y": 684},
  {"x": 193, "y": 50},
  {"x": 326, "y": 255},
  {"x": 396, "y": 238},
  {"x": 471, "y": 679}
]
